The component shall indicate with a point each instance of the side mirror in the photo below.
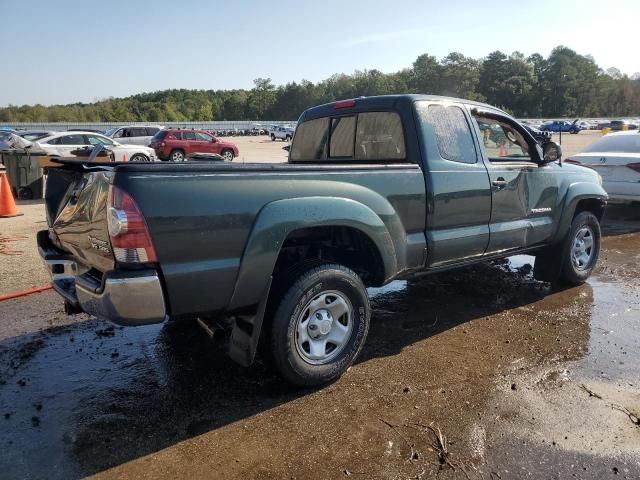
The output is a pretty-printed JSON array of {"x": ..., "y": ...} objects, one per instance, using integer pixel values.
[
  {"x": 552, "y": 152},
  {"x": 214, "y": 140}
]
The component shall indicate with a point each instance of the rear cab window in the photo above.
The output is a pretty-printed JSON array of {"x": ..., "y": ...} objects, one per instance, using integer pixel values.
[{"x": 365, "y": 137}]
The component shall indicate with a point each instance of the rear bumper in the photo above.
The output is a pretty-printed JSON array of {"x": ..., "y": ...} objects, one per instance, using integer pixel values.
[{"x": 125, "y": 298}]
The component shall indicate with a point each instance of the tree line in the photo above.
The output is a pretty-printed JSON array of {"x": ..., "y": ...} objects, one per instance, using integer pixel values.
[{"x": 566, "y": 84}]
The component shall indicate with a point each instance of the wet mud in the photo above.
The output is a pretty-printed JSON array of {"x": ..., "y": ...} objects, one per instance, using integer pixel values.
[{"x": 478, "y": 373}]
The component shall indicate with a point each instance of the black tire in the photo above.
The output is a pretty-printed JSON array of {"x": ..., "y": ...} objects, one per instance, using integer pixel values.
[
  {"x": 227, "y": 154},
  {"x": 273, "y": 137},
  {"x": 288, "y": 138},
  {"x": 173, "y": 156},
  {"x": 139, "y": 157},
  {"x": 318, "y": 284},
  {"x": 25, "y": 193},
  {"x": 572, "y": 271}
]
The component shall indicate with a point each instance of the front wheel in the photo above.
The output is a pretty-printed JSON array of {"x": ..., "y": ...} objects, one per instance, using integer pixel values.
[
  {"x": 320, "y": 325},
  {"x": 227, "y": 155},
  {"x": 139, "y": 157},
  {"x": 581, "y": 249},
  {"x": 273, "y": 138}
]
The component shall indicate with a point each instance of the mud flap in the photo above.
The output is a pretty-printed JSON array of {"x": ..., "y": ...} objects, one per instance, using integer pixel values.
[
  {"x": 548, "y": 264},
  {"x": 245, "y": 333}
]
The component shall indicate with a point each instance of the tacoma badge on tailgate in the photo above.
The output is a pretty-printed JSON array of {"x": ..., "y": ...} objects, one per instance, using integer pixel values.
[{"x": 98, "y": 244}]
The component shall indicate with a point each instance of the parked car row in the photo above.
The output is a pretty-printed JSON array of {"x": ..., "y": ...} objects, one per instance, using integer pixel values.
[{"x": 64, "y": 143}]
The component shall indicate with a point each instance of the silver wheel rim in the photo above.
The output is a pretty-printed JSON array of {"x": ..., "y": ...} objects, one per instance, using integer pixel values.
[
  {"x": 583, "y": 248},
  {"x": 139, "y": 158},
  {"x": 177, "y": 156},
  {"x": 323, "y": 328},
  {"x": 228, "y": 156}
]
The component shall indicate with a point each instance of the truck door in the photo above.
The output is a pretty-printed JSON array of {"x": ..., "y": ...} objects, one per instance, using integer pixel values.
[
  {"x": 523, "y": 193},
  {"x": 457, "y": 185}
]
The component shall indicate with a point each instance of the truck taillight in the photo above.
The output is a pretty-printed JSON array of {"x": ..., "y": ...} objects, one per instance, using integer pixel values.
[
  {"x": 634, "y": 166},
  {"x": 128, "y": 230}
]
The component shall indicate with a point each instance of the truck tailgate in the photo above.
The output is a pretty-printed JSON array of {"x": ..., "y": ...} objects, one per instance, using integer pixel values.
[{"x": 76, "y": 203}]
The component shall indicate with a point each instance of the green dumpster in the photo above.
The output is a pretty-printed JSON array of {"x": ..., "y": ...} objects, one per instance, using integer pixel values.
[{"x": 24, "y": 173}]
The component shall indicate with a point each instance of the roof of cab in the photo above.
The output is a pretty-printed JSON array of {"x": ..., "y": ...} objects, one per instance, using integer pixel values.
[{"x": 381, "y": 102}]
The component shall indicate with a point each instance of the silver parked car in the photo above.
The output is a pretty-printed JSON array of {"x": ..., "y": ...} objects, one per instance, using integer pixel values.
[{"x": 134, "y": 134}]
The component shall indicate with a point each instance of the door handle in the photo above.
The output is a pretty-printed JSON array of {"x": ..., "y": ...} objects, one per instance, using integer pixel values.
[{"x": 500, "y": 183}]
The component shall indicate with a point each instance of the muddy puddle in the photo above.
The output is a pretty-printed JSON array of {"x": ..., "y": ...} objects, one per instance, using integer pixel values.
[{"x": 521, "y": 381}]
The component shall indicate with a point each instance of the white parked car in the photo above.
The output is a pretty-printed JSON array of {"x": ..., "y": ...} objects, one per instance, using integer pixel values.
[
  {"x": 616, "y": 157},
  {"x": 283, "y": 133},
  {"x": 134, "y": 134},
  {"x": 63, "y": 143}
]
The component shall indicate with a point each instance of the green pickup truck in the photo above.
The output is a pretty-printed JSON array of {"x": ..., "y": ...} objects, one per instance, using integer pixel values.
[{"x": 375, "y": 189}]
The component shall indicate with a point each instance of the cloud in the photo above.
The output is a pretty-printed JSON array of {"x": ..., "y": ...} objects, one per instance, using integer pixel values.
[{"x": 384, "y": 36}]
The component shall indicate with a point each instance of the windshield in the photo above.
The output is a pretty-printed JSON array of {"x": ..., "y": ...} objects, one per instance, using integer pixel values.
[
  {"x": 111, "y": 131},
  {"x": 616, "y": 143},
  {"x": 35, "y": 135},
  {"x": 160, "y": 135}
]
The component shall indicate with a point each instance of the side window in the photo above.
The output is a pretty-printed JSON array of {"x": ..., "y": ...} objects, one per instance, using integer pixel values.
[
  {"x": 151, "y": 131},
  {"x": 137, "y": 132},
  {"x": 119, "y": 133},
  {"x": 72, "y": 140},
  {"x": 54, "y": 141},
  {"x": 501, "y": 142},
  {"x": 203, "y": 137},
  {"x": 310, "y": 140},
  {"x": 96, "y": 139},
  {"x": 380, "y": 137},
  {"x": 453, "y": 134},
  {"x": 342, "y": 137},
  {"x": 188, "y": 136}
]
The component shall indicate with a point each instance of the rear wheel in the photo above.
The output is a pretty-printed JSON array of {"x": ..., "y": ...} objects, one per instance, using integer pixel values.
[
  {"x": 320, "y": 325},
  {"x": 25, "y": 193},
  {"x": 177, "y": 156},
  {"x": 288, "y": 138},
  {"x": 273, "y": 137}
]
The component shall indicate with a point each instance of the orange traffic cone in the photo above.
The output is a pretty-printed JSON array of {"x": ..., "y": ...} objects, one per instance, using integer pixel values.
[{"x": 7, "y": 203}]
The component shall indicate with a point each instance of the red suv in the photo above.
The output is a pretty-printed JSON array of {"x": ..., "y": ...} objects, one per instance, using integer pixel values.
[{"x": 175, "y": 144}]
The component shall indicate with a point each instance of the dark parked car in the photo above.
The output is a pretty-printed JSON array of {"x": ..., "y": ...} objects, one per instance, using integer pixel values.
[
  {"x": 618, "y": 125},
  {"x": 376, "y": 189}
]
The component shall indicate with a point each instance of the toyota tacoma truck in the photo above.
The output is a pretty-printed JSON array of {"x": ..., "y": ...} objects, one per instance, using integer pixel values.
[{"x": 280, "y": 255}]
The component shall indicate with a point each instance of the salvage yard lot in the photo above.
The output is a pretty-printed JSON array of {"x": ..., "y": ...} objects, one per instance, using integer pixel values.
[{"x": 523, "y": 381}]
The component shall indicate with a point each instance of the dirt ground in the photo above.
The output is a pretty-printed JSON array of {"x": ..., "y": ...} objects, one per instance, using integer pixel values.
[{"x": 481, "y": 373}]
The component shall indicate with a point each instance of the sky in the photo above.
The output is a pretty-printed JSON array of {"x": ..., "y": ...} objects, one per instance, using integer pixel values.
[{"x": 66, "y": 51}]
